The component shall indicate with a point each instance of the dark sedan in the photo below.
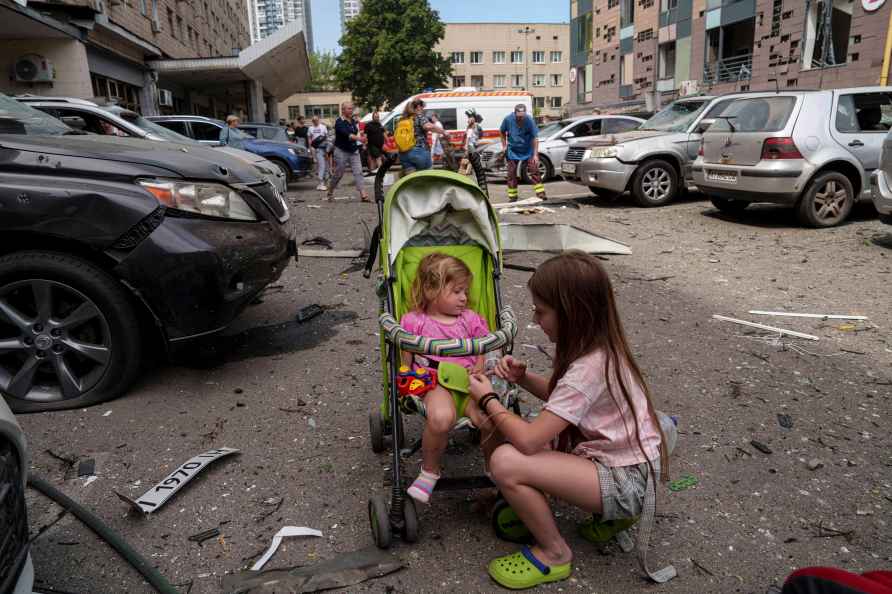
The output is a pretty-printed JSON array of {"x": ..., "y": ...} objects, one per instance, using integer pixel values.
[{"x": 112, "y": 246}]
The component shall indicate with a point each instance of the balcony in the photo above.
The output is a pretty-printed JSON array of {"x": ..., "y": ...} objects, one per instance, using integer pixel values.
[{"x": 729, "y": 70}]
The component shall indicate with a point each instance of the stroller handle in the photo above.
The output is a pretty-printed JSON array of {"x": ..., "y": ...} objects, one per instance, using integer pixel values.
[
  {"x": 450, "y": 347},
  {"x": 379, "y": 177}
]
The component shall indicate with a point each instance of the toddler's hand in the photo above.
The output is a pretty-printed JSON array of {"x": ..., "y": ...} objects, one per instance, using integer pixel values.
[
  {"x": 510, "y": 369},
  {"x": 479, "y": 386}
]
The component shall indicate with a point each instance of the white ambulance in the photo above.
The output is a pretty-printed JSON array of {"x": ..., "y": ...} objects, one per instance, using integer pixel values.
[{"x": 450, "y": 107}]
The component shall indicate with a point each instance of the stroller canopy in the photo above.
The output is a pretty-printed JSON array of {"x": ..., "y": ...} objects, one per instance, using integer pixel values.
[{"x": 435, "y": 207}]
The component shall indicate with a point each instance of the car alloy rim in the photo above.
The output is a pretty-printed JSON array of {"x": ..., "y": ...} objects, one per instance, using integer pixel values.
[
  {"x": 830, "y": 200},
  {"x": 656, "y": 184},
  {"x": 55, "y": 343}
]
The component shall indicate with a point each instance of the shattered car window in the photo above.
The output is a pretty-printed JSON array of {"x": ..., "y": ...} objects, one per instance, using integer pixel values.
[
  {"x": 18, "y": 118},
  {"x": 676, "y": 117}
]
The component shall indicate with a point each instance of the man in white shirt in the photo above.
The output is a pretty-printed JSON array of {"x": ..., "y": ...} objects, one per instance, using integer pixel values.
[{"x": 318, "y": 137}]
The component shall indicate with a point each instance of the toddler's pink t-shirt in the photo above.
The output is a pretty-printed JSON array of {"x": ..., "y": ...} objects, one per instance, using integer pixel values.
[
  {"x": 607, "y": 424},
  {"x": 469, "y": 324}
]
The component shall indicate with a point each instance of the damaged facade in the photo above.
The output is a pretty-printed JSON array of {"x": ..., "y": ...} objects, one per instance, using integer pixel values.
[
  {"x": 151, "y": 56},
  {"x": 634, "y": 54}
]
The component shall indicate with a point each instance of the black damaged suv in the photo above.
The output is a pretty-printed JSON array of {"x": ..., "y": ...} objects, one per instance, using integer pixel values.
[{"x": 107, "y": 243}]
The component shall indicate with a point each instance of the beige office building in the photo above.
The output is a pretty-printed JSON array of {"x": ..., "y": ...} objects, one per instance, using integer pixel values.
[{"x": 512, "y": 56}]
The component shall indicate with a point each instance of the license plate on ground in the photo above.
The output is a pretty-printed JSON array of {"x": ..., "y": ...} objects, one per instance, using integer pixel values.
[
  {"x": 568, "y": 167},
  {"x": 723, "y": 177}
]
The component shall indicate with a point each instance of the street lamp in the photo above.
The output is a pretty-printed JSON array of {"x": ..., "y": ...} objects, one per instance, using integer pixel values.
[{"x": 526, "y": 32}]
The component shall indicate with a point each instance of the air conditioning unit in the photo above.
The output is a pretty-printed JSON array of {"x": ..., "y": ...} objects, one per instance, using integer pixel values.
[
  {"x": 689, "y": 87},
  {"x": 156, "y": 26},
  {"x": 165, "y": 98},
  {"x": 34, "y": 68}
]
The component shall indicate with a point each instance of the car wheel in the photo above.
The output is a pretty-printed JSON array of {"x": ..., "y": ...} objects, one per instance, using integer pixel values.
[
  {"x": 283, "y": 167},
  {"x": 68, "y": 333},
  {"x": 546, "y": 171},
  {"x": 827, "y": 200},
  {"x": 655, "y": 183},
  {"x": 728, "y": 205}
]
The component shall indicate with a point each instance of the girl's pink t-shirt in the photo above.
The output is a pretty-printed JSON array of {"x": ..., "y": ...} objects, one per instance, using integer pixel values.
[
  {"x": 605, "y": 421},
  {"x": 469, "y": 324}
]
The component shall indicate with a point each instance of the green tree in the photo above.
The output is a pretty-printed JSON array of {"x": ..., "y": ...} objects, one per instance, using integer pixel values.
[
  {"x": 388, "y": 52},
  {"x": 322, "y": 72}
]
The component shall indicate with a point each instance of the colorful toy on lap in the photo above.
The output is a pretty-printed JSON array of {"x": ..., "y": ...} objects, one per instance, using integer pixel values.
[
  {"x": 412, "y": 385},
  {"x": 415, "y": 382}
]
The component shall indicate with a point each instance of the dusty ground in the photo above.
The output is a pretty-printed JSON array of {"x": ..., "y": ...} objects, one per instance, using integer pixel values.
[{"x": 295, "y": 397}]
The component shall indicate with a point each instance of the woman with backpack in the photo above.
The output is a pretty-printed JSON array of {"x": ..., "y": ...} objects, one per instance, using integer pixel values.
[{"x": 411, "y": 137}]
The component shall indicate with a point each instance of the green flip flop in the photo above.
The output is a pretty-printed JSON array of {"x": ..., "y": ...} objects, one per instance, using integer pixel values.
[
  {"x": 523, "y": 570},
  {"x": 598, "y": 531}
]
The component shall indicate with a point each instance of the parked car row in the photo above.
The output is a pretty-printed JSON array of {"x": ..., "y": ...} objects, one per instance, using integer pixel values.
[
  {"x": 817, "y": 151},
  {"x": 114, "y": 246}
]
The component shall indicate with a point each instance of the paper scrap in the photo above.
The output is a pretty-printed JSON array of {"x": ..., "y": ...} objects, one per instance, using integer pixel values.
[{"x": 285, "y": 532}]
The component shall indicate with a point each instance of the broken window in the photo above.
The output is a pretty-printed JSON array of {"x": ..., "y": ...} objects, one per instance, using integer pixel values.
[
  {"x": 827, "y": 27},
  {"x": 627, "y": 13},
  {"x": 667, "y": 60}
]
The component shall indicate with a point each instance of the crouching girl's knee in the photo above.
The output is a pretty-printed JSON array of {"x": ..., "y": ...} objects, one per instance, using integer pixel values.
[{"x": 505, "y": 464}]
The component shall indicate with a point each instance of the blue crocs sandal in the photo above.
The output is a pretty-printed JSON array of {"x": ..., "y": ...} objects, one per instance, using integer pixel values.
[{"x": 523, "y": 570}]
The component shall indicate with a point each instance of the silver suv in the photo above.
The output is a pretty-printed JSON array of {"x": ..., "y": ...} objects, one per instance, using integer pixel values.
[
  {"x": 654, "y": 161},
  {"x": 814, "y": 150},
  {"x": 881, "y": 182}
]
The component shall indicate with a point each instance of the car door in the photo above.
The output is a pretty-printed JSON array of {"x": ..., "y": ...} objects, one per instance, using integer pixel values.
[
  {"x": 178, "y": 126},
  {"x": 695, "y": 134},
  {"x": 619, "y": 125},
  {"x": 206, "y": 133},
  {"x": 860, "y": 124}
]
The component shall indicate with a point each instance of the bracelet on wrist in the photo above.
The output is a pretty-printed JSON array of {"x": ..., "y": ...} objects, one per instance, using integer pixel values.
[{"x": 487, "y": 398}]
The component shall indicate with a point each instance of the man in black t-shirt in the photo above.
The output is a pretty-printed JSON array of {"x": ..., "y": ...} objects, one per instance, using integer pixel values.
[
  {"x": 346, "y": 152},
  {"x": 300, "y": 131},
  {"x": 374, "y": 131}
]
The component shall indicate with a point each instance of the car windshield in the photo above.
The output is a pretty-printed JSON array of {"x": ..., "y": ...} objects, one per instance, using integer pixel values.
[
  {"x": 549, "y": 129},
  {"x": 18, "y": 118},
  {"x": 149, "y": 126},
  {"x": 676, "y": 117}
]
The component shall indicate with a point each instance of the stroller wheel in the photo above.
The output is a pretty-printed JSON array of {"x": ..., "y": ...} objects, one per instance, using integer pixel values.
[
  {"x": 410, "y": 520},
  {"x": 379, "y": 520},
  {"x": 507, "y": 525},
  {"x": 376, "y": 430}
]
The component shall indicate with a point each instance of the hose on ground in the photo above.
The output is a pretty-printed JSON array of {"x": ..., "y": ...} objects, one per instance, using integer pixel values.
[{"x": 140, "y": 563}]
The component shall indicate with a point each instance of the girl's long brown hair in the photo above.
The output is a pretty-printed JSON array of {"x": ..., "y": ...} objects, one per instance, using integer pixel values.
[{"x": 577, "y": 288}]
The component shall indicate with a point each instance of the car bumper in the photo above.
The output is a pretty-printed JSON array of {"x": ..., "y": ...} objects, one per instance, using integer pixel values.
[
  {"x": 779, "y": 182},
  {"x": 882, "y": 195},
  {"x": 300, "y": 166},
  {"x": 607, "y": 174},
  {"x": 197, "y": 275}
]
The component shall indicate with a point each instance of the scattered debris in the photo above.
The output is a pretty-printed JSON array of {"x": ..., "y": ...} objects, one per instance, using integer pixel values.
[
  {"x": 761, "y": 447},
  {"x": 107, "y": 413},
  {"x": 273, "y": 504},
  {"x": 822, "y": 531},
  {"x": 806, "y": 315},
  {"x": 520, "y": 267},
  {"x": 700, "y": 567},
  {"x": 314, "y": 206},
  {"x": 649, "y": 280},
  {"x": 526, "y": 210},
  {"x": 815, "y": 464},
  {"x": 155, "y": 497},
  {"x": 524, "y": 202},
  {"x": 785, "y": 421},
  {"x": 206, "y": 535},
  {"x": 549, "y": 237},
  {"x": 329, "y": 253},
  {"x": 682, "y": 484},
  {"x": 285, "y": 532},
  {"x": 345, "y": 570},
  {"x": 320, "y": 241},
  {"x": 60, "y": 458},
  {"x": 86, "y": 467},
  {"x": 764, "y": 327},
  {"x": 309, "y": 312}
]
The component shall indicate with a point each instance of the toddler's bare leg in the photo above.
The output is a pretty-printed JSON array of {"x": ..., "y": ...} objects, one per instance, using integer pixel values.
[{"x": 440, "y": 420}]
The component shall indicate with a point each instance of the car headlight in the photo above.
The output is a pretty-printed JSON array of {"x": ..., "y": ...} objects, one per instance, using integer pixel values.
[
  {"x": 213, "y": 200},
  {"x": 602, "y": 153},
  {"x": 298, "y": 152}
]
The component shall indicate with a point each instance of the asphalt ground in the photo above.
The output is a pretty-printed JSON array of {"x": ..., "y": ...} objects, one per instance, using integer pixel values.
[{"x": 294, "y": 398}]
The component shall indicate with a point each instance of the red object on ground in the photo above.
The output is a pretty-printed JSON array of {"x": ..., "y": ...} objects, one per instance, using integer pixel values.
[{"x": 829, "y": 580}]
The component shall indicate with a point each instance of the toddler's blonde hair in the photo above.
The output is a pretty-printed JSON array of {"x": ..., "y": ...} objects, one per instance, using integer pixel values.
[{"x": 435, "y": 272}]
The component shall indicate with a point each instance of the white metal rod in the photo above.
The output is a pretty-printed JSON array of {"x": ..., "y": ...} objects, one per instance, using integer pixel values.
[
  {"x": 764, "y": 327},
  {"x": 806, "y": 315}
]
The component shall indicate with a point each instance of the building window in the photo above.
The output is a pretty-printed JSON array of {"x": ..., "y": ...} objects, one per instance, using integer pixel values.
[
  {"x": 517, "y": 57},
  {"x": 557, "y": 57},
  {"x": 612, "y": 4},
  {"x": 817, "y": 51},
  {"x": 556, "y": 102},
  {"x": 498, "y": 81},
  {"x": 293, "y": 112},
  {"x": 180, "y": 27},
  {"x": 538, "y": 80},
  {"x": 143, "y": 9},
  {"x": 458, "y": 81},
  {"x": 477, "y": 80},
  {"x": 557, "y": 80},
  {"x": 517, "y": 80},
  {"x": 538, "y": 102},
  {"x": 667, "y": 60},
  {"x": 583, "y": 26},
  {"x": 458, "y": 57},
  {"x": 326, "y": 112},
  {"x": 666, "y": 5},
  {"x": 498, "y": 57},
  {"x": 121, "y": 93},
  {"x": 173, "y": 31},
  {"x": 627, "y": 13},
  {"x": 476, "y": 57},
  {"x": 538, "y": 57}
]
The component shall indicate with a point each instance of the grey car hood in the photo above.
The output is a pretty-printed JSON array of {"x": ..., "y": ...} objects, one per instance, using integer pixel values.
[{"x": 622, "y": 137}]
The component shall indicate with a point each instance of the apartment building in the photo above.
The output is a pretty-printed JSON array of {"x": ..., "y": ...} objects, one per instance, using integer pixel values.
[
  {"x": 512, "y": 56},
  {"x": 151, "y": 56},
  {"x": 629, "y": 54},
  {"x": 268, "y": 16},
  {"x": 349, "y": 9}
]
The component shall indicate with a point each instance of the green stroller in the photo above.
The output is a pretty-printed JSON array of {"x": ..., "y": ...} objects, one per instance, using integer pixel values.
[{"x": 427, "y": 211}]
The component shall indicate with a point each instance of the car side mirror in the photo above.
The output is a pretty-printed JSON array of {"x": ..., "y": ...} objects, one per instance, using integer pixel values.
[
  {"x": 704, "y": 124},
  {"x": 568, "y": 135}
]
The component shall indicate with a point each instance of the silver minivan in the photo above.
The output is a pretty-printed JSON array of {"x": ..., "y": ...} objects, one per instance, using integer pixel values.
[{"x": 814, "y": 150}]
